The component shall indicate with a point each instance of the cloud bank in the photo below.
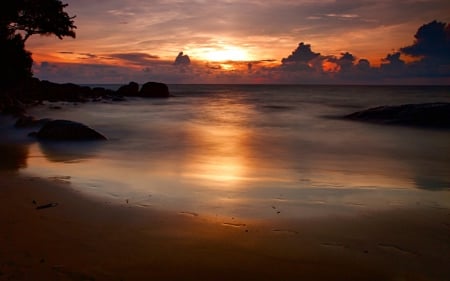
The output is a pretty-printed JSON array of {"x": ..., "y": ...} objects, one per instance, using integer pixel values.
[{"x": 425, "y": 61}]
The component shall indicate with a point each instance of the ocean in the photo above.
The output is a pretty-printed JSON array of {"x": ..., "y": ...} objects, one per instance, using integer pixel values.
[{"x": 249, "y": 151}]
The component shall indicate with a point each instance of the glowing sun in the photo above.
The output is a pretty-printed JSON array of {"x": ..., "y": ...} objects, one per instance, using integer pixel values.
[{"x": 226, "y": 53}]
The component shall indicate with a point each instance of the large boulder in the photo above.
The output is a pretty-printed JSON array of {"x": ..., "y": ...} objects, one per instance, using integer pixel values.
[
  {"x": 62, "y": 92},
  {"x": 68, "y": 131},
  {"x": 432, "y": 115},
  {"x": 154, "y": 90},
  {"x": 129, "y": 90}
]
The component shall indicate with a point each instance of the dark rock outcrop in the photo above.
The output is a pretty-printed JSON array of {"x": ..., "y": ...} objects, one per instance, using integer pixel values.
[
  {"x": 430, "y": 115},
  {"x": 34, "y": 90},
  {"x": 14, "y": 100},
  {"x": 154, "y": 90},
  {"x": 129, "y": 90},
  {"x": 53, "y": 92},
  {"x": 66, "y": 130}
]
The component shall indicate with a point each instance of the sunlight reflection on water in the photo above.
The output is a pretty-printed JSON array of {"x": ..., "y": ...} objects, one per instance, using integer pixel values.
[{"x": 243, "y": 154}]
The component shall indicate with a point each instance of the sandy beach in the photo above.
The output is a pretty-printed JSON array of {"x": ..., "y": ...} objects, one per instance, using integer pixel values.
[{"x": 84, "y": 238}]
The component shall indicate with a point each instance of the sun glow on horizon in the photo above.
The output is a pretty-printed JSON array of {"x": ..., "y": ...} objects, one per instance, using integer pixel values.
[{"x": 225, "y": 53}]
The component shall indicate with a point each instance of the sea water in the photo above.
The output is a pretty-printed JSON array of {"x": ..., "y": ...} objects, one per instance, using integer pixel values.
[{"x": 252, "y": 151}]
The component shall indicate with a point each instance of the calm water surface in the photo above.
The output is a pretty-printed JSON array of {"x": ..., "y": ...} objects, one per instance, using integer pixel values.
[{"x": 253, "y": 152}]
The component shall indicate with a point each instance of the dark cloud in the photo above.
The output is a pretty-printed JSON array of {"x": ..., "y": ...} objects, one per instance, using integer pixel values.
[
  {"x": 46, "y": 65},
  {"x": 363, "y": 65},
  {"x": 301, "y": 58},
  {"x": 393, "y": 59},
  {"x": 302, "y": 54},
  {"x": 345, "y": 62},
  {"x": 432, "y": 48},
  {"x": 80, "y": 55},
  {"x": 432, "y": 41},
  {"x": 136, "y": 58},
  {"x": 182, "y": 59}
]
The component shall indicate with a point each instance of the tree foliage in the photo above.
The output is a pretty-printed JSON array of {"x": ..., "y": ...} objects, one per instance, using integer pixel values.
[
  {"x": 20, "y": 19},
  {"x": 16, "y": 61}
]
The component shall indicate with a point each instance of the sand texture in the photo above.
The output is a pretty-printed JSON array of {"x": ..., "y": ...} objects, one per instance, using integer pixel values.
[{"x": 73, "y": 237}]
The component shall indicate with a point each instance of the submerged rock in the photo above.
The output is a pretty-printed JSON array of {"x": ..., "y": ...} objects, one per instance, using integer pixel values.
[
  {"x": 67, "y": 130},
  {"x": 431, "y": 115}
]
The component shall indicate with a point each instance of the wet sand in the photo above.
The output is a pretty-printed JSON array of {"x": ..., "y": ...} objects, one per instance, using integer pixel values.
[{"x": 83, "y": 238}]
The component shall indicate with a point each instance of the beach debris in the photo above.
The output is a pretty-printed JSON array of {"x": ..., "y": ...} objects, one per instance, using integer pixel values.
[
  {"x": 234, "y": 224},
  {"x": 61, "y": 179},
  {"x": 334, "y": 245},
  {"x": 275, "y": 208},
  {"x": 192, "y": 214},
  {"x": 397, "y": 249},
  {"x": 49, "y": 205}
]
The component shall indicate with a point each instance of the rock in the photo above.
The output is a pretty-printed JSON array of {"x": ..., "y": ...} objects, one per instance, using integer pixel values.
[
  {"x": 98, "y": 93},
  {"x": 431, "y": 115},
  {"x": 130, "y": 90},
  {"x": 154, "y": 90},
  {"x": 67, "y": 130},
  {"x": 36, "y": 90},
  {"x": 61, "y": 92}
]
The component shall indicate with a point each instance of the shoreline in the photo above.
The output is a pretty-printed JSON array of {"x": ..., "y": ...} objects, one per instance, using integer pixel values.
[
  {"x": 85, "y": 238},
  {"x": 90, "y": 238}
]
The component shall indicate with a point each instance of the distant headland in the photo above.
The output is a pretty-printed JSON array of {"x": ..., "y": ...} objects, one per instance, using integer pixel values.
[{"x": 34, "y": 91}]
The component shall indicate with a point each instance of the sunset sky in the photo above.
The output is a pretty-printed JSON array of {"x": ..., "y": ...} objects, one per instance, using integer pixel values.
[{"x": 229, "y": 41}]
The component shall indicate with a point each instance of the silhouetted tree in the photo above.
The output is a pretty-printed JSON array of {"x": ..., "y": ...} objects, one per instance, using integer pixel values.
[
  {"x": 19, "y": 19},
  {"x": 16, "y": 61}
]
